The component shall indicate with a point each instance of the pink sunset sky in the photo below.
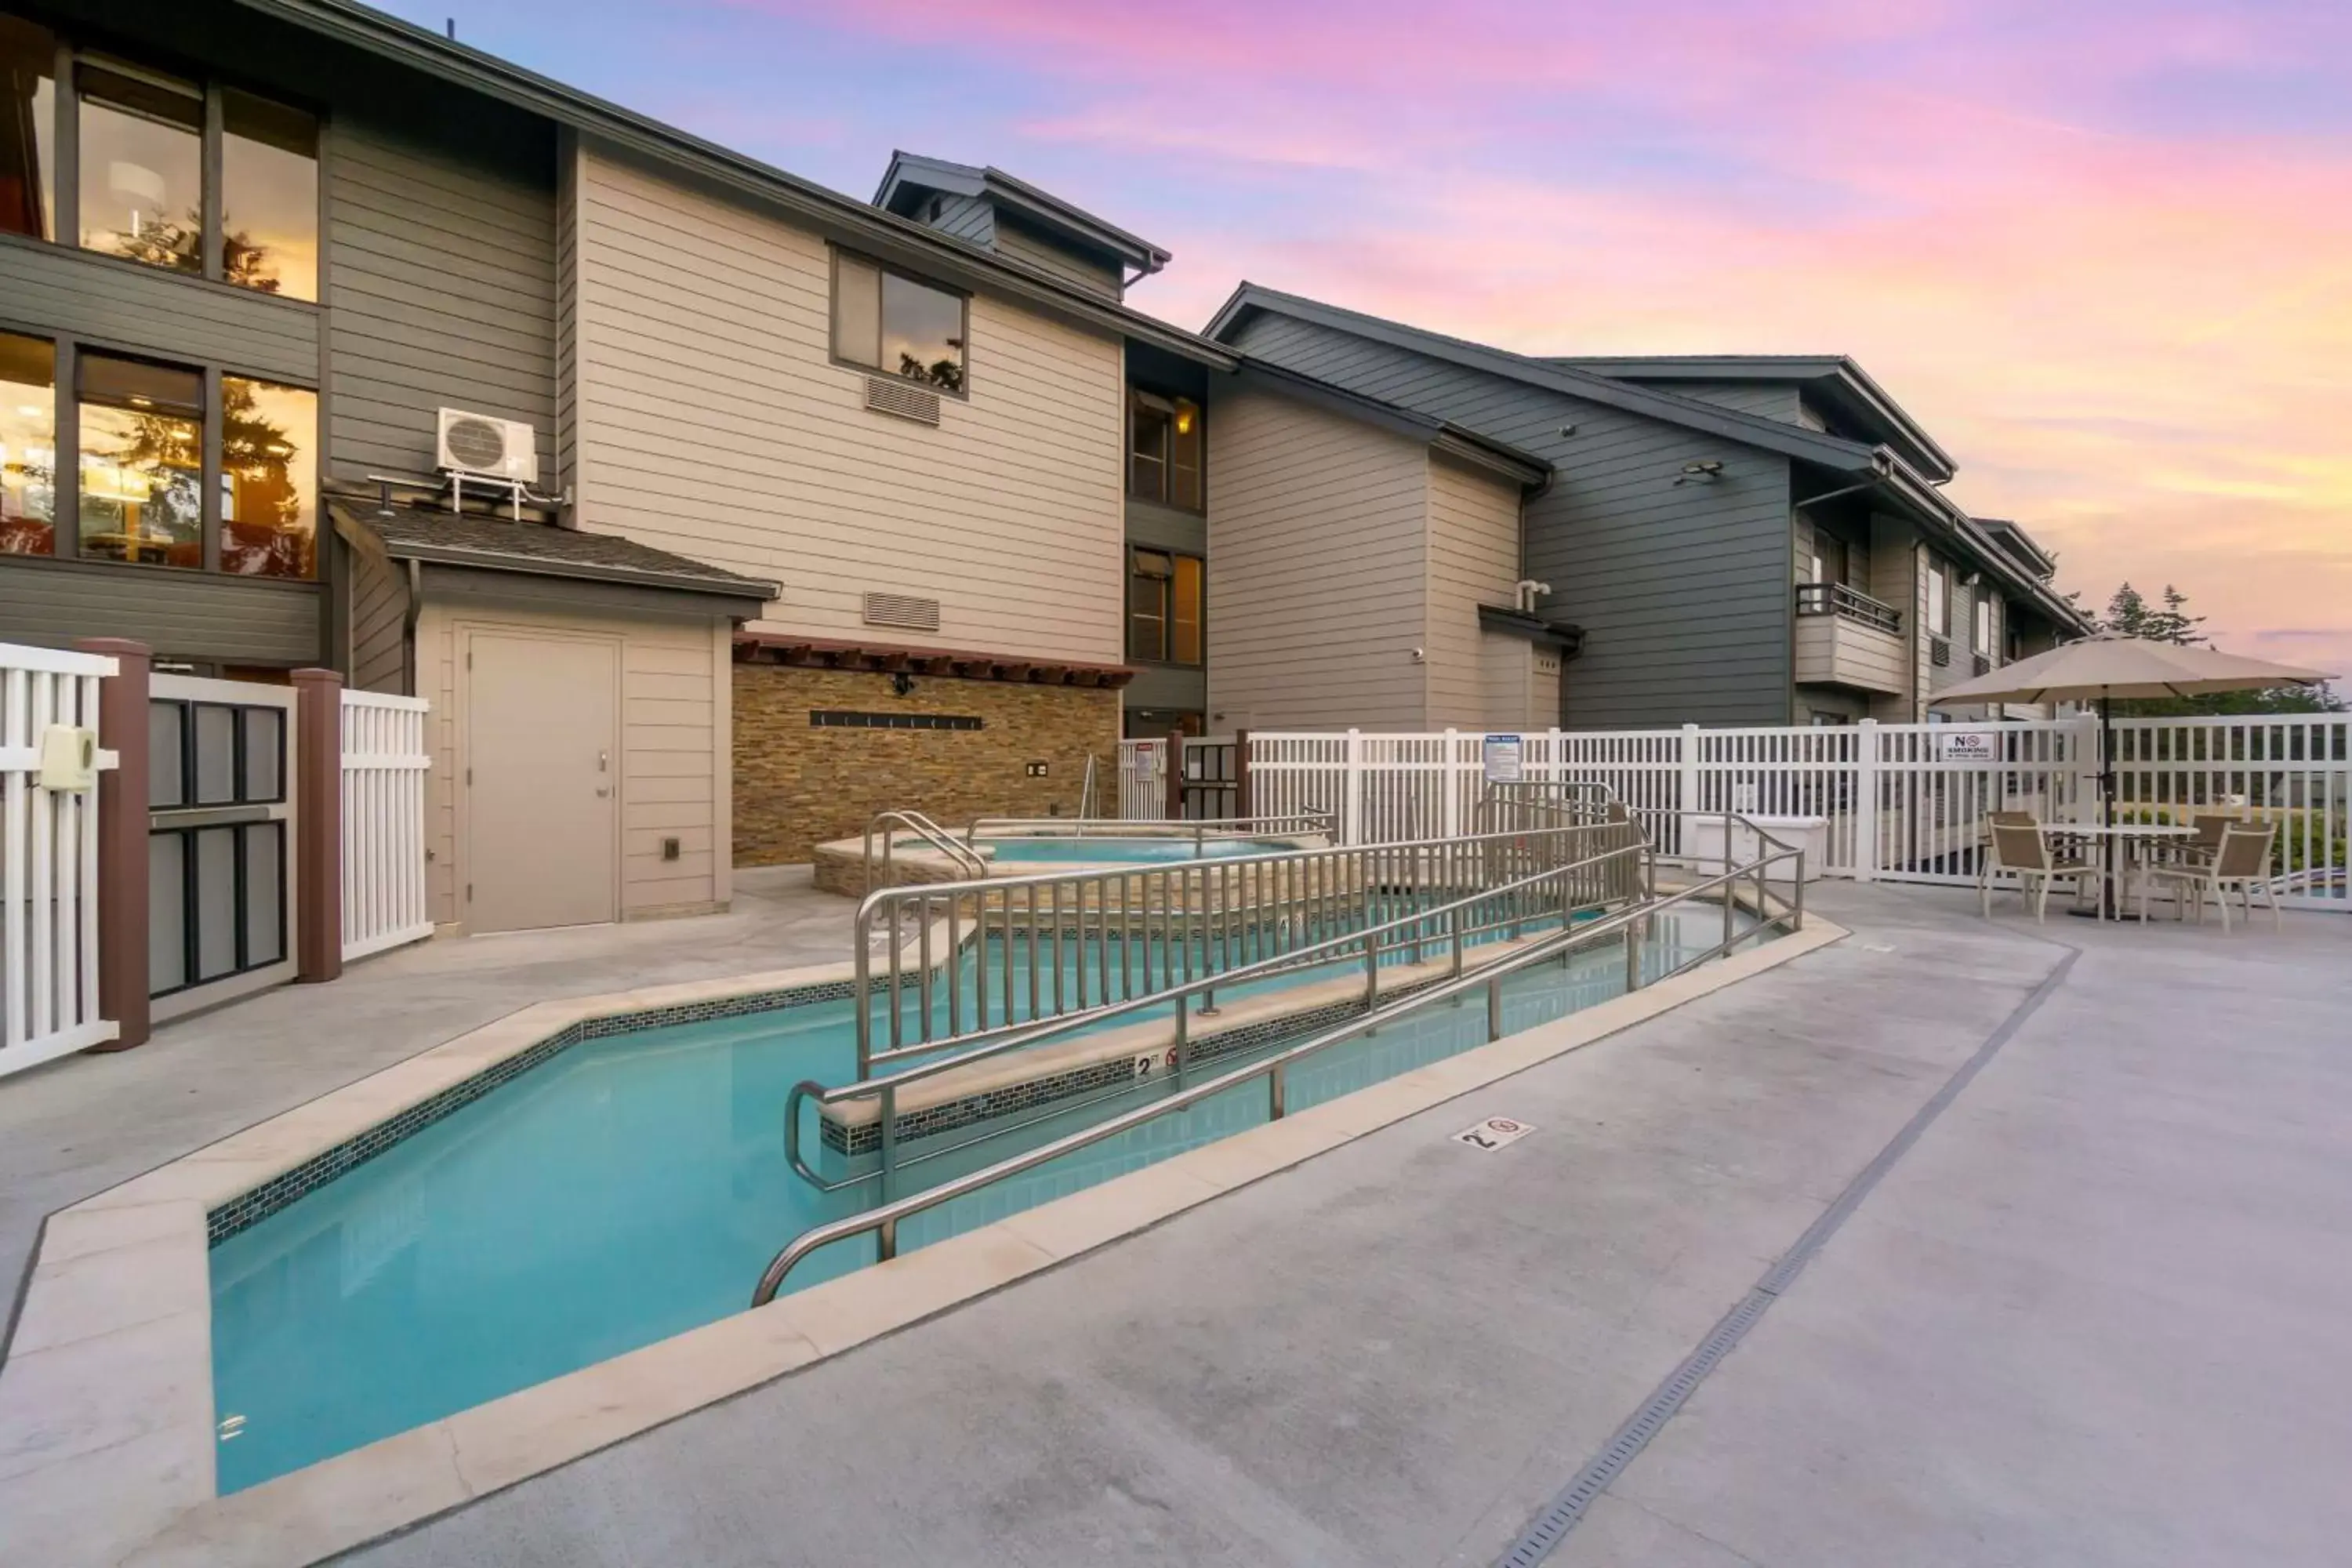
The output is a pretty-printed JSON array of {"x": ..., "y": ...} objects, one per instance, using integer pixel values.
[{"x": 2102, "y": 250}]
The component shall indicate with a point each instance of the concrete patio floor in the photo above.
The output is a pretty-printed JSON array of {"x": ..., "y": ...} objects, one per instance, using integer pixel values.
[
  {"x": 2086, "y": 1318},
  {"x": 79, "y": 1125}
]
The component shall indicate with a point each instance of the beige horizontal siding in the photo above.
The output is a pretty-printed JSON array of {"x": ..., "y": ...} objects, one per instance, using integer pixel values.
[
  {"x": 1474, "y": 560},
  {"x": 1318, "y": 588},
  {"x": 710, "y": 422}
]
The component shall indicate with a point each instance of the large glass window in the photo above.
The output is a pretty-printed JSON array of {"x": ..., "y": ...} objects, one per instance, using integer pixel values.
[
  {"x": 1164, "y": 622},
  {"x": 269, "y": 196},
  {"x": 142, "y": 158},
  {"x": 1983, "y": 643},
  {"x": 1164, "y": 444},
  {"x": 885, "y": 320},
  {"x": 142, "y": 429},
  {"x": 28, "y": 120},
  {"x": 28, "y": 445},
  {"x": 1939, "y": 599},
  {"x": 269, "y": 480}
]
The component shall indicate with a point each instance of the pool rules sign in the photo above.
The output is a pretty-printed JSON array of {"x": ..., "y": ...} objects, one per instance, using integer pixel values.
[{"x": 1502, "y": 755}]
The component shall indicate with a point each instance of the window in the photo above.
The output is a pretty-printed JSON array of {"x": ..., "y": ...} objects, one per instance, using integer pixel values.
[
  {"x": 1164, "y": 449},
  {"x": 1163, "y": 608},
  {"x": 270, "y": 197},
  {"x": 886, "y": 321},
  {"x": 28, "y": 447},
  {"x": 141, "y": 150},
  {"x": 28, "y": 120},
  {"x": 142, "y": 429},
  {"x": 1939, "y": 599},
  {"x": 269, "y": 480},
  {"x": 1983, "y": 628}
]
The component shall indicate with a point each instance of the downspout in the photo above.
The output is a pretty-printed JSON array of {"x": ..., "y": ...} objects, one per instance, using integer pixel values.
[{"x": 408, "y": 616}]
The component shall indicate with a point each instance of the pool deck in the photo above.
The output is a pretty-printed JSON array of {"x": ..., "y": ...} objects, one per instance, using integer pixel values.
[
  {"x": 79, "y": 1125},
  {"x": 2087, "y": 1317},
  {"x": 2091, "y": 1315}
]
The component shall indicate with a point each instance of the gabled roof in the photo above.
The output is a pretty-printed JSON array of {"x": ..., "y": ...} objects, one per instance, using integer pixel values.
[
  {"x": 911, "y": 177},
  {"x": 1437, "y": 433},
  {"x": 1834, "y": 380},
  {"x": 2018, "y": 543},
  {"x": 1749, "y": 429},
  {"x": 884, "y": 234}
]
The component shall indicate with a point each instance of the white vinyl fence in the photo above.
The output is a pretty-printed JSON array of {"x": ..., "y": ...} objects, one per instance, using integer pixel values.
[
  {"x": 48, "y": 864},
  {"x": 1903, "y": 802},
  {"x": 384, "y": 765},
  {"x": 1143, "y": 781}
]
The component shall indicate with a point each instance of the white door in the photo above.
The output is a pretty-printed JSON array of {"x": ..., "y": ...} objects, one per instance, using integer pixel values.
[{"x": 542, "y": 779}]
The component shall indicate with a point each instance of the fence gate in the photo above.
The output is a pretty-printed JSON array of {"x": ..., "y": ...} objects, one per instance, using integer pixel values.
[
  {"x": 48, "y": 864},
  {"x": 385, "y": 764},
  {"x": 220, "y": 840}
]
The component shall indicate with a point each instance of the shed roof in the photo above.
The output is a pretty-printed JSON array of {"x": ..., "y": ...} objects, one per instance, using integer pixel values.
[{"x": 538, "y": 549}]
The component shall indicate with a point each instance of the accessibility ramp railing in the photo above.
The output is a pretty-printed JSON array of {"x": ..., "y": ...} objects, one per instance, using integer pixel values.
[
  {"x": 888, "y": 825},
  {"x": 940, "y": 963},
  {"x": 1748, "y": 880}
]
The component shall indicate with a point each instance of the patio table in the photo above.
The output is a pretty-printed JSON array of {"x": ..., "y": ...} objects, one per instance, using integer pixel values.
[{"x": 2132, "y": 838}]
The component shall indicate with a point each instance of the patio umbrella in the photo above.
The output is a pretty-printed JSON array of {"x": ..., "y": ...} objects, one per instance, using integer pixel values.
[{"x": 2103, "y": 667}]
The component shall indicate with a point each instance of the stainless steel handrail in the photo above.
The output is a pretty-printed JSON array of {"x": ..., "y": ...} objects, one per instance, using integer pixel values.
[
  {"x": 1199, "y": 829},
  {"x": 1141, "y": 919},
  {"x": 883, "y": 1219},
  {"x": 965, "y": 858},
  {"x": 1418, "y": 923}
]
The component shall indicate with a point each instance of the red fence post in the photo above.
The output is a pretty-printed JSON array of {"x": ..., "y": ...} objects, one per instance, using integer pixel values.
[
  {"x": 318, "y": 824},
  {"x": 122, "y": 842},
  {"x": 1175, "y": 805}
]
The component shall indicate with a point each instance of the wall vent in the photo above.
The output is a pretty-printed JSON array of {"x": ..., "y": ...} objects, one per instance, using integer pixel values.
[
  {"x": 1940, "y": 652},
  {"x": 904, "y": 611},
  {"x": 887, "y": 394}
]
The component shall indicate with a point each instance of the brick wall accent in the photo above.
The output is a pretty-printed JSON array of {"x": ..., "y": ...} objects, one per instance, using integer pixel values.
[{"x": 797, "y": 785}]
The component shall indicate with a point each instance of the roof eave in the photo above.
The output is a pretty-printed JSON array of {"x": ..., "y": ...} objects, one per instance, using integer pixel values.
[{"x": 1753, "y": 430}]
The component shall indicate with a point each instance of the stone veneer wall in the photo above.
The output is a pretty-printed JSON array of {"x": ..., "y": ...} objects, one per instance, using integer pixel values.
[{"x": 797, "y": 785}]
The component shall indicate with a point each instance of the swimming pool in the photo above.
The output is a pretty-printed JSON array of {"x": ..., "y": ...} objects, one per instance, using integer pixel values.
[
  {"x": 1142, "y": 850},
  {"x": 631, "y": 1187}
]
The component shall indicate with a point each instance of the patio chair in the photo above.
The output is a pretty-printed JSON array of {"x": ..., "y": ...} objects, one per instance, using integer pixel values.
[
  {"x": 2202, "y": 849},
  {"x": 2242, "y": 862},
  {"x": 2019, "y": 847}
]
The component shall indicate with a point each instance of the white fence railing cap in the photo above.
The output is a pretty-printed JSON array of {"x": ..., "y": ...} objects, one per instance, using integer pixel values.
[
  {"x": 385, "y": 700},
  {"x": 55, "y": 661}
]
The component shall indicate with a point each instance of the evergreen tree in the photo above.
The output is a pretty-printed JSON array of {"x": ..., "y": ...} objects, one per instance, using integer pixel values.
[{"x": 2129, "y": 615}]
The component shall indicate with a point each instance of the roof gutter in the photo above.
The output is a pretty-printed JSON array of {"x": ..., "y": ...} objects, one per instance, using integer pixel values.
[{"x": 1912, "y": 488}]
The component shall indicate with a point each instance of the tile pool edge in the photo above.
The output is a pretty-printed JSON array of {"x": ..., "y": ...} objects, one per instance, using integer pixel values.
[{"x": 135, "y": 1484}]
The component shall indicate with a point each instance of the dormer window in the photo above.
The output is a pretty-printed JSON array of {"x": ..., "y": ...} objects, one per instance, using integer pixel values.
[{"x": 888, "y": 321}]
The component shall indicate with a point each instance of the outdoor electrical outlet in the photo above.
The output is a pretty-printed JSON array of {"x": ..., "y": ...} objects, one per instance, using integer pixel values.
[{"x": 669, "y": 848}]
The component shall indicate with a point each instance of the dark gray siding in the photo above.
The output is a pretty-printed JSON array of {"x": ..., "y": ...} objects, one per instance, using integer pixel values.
[
  {"x": 1167, "y": 528},
  {"x": 379, "y": 624},
  {"x": 1771, "y": 399},
  {"x": 180, "y": 615},
  {"x": 1050, "y": 255},
  {"x": 441, "y": 279},
  {"x": 1682, "y": 590},
  {"x": 966, "y": 217},
  {"x": 123, "y": 305}
]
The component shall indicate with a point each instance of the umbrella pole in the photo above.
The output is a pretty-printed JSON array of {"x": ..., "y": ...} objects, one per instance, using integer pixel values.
[{"x": 2108, "y": 801}]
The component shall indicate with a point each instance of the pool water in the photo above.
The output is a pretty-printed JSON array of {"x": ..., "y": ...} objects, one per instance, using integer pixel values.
[
  {"x": 633, "y": 1187},
  {"x": 1141, "y": 850}
]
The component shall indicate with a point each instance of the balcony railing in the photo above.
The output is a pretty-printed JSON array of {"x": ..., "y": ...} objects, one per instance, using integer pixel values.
[{"x": 1837, "y": 599}]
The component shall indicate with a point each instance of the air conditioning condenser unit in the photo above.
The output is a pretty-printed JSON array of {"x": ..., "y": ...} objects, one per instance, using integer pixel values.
[{"x": 486, "y": 445}]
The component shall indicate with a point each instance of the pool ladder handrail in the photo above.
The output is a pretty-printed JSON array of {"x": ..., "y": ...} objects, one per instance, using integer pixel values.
[
  {"x": 888, "y": 1085},
  {"x": 965, "y": 858},
  {"x": 883, "y": 1220}
]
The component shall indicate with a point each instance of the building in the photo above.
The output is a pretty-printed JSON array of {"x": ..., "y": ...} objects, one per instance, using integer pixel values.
[
  {"x": 1728, "y": 540},
  {"x": 812, "y": 505},
  {"x": 773, "y": 507}
]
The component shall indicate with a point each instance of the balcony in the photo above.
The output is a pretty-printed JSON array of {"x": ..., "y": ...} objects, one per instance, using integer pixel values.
[{"x": 1845, "y": 637}]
